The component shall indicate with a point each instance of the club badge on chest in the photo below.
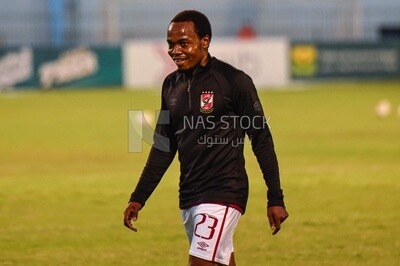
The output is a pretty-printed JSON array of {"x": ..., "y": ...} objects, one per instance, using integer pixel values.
[{"x": 207, "y": 102}]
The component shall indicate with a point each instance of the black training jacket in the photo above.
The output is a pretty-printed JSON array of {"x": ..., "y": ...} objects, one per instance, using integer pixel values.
[{"x": 205, "y": 116}]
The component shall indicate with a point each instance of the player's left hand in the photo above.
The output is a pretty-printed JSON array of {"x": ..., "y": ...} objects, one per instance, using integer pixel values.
[
  {"x": 131, "y": 213},
  {"x": 276, "y": 216}
]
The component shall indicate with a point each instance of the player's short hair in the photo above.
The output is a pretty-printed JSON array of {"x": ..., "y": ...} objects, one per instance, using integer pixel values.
[{"x": 201, "y": 23}]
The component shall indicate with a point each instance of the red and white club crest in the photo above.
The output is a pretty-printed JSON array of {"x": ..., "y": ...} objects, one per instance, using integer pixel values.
[{"x": 206, "y": 101}]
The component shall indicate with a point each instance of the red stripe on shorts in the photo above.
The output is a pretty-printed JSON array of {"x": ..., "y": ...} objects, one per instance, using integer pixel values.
[{"x": 220, "y": 234}]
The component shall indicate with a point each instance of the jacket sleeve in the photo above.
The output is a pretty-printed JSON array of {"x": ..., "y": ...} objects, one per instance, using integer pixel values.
[
  {"x": 247, "y": 104},
  {"x": 160, "y": 158}
]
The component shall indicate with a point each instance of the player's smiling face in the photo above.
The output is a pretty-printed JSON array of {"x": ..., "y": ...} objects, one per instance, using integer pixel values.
[{"x": 185, "y": 47}]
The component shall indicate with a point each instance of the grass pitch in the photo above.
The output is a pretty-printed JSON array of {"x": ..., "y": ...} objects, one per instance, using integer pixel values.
[{"x": 66, "y": 175}]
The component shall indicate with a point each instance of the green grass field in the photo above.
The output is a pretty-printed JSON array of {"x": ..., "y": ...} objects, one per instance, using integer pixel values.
[{"x": 66, "y": 175}]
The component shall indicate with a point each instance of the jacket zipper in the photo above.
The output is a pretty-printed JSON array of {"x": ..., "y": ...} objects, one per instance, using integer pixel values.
[{"x": 188, "y": 90}]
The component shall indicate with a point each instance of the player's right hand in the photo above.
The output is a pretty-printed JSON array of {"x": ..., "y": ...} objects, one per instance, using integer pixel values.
[
  {"x": 276, "y": 216},
  {"x": 131, "y": 213}
]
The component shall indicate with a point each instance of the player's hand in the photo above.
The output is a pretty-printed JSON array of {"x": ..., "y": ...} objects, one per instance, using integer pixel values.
[
  {"x": 276, "y": 216},
  {"x": 131, "y": 213}
]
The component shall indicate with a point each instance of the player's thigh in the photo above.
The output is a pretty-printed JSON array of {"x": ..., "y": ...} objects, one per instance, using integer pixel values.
[
  {"x": 195, "y": 261},
  {"x": 210, "y": 229}
]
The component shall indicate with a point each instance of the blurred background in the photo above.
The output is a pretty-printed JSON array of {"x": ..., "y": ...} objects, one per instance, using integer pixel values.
[
  {"x": 287, "y": 40},
  {"x": 72, "y": 22}
]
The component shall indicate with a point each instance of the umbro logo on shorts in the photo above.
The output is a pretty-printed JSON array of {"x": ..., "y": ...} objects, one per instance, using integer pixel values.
[{"x": 202, "y": 246}]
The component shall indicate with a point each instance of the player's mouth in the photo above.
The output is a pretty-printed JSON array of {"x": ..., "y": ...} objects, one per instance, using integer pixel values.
[{"x": 179, "y": 61}]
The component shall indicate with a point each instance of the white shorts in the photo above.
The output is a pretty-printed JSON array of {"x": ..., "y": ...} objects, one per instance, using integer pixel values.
[{"x": 210, "y": 229}]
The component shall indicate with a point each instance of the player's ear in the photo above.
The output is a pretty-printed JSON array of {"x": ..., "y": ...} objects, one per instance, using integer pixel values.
[{"x": 205, "y": 42}]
